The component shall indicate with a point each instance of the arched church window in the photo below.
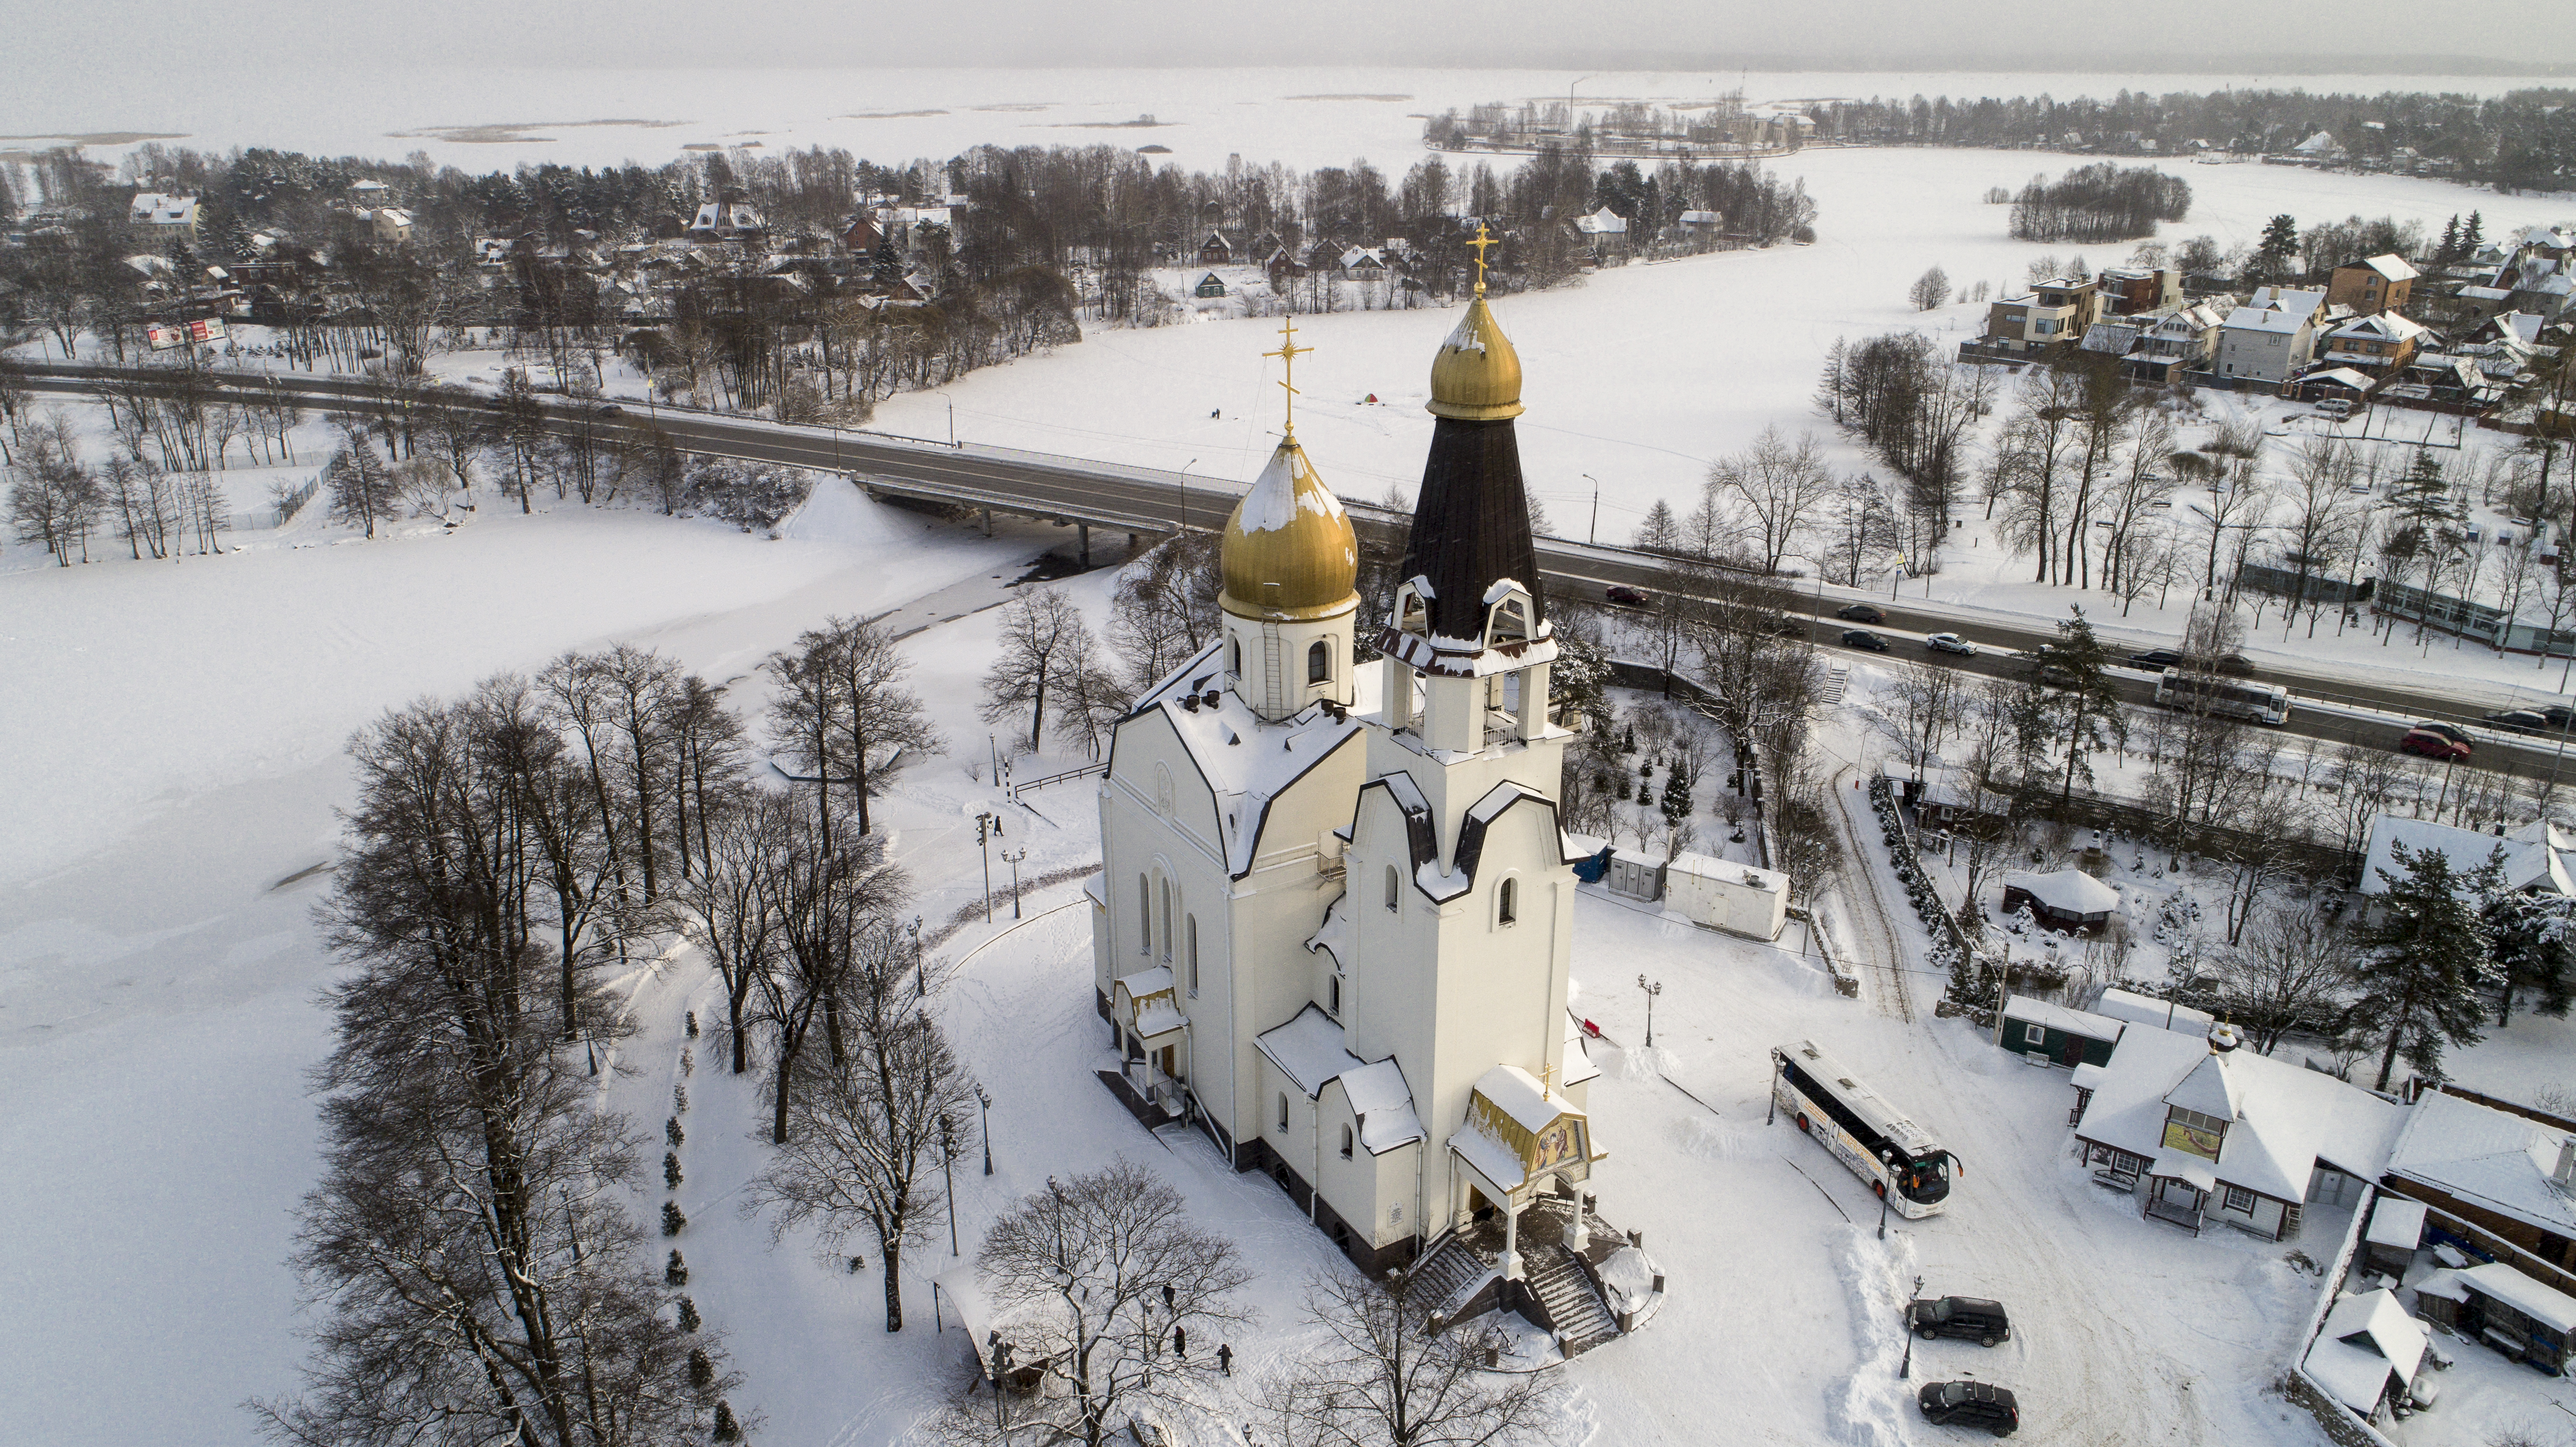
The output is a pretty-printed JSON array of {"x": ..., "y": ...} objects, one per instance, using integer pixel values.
[
  {"x": 1235, "y": 656},
  {"x": 1283, "y": 1112},
  {"x": 1167, "y": 919},
  {"x": 1333, "y": 996},
  {"x": 1508, "y": 908},
  {"x": 1163, "y": 794},
  {"x": 1346, "y": 1143},
  {"x": 1319, "y": 662},
  {"x": 1392, "y": 884},
  {"x": 1510, "y": 621},
  {"x": 1190, "y": 924},
  {"x": 1144, "y": 915}
]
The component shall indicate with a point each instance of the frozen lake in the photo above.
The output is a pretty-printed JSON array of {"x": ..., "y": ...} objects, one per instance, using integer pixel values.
[{"x": 486, "y": 118}]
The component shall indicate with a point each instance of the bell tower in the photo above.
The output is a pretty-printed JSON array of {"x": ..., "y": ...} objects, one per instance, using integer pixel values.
[{"x": 1291, "y": 565}]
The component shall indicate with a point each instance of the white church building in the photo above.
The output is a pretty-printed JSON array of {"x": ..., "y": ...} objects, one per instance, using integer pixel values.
[{"x": 1335, "y": 915}]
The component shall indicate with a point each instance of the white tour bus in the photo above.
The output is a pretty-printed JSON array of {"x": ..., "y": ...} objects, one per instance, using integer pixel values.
[
  {"x": 2265, "y": 703},
  {"x": 1899, "y": 1159}
]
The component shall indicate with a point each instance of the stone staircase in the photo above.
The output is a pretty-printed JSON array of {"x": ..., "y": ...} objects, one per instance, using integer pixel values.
[
  {"x": 1448, "y": 1275},
  {"x": 1581, "y": 1320}
]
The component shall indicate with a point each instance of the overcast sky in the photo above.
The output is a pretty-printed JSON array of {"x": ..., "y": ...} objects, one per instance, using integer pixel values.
[{"x": 118, "y": 39}]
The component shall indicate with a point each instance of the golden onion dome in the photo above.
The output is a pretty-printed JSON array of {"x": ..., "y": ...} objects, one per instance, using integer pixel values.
[
  {"x": 1477, "y": 376},
  {"x": 1289, "y": 552}
]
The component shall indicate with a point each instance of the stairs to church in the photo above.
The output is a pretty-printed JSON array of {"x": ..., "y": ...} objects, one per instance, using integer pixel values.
[
  {"x": 1837, "y": 678},
  {"x": 1448, "y": 1275},
  {"x": 1582, "y": 1320}
]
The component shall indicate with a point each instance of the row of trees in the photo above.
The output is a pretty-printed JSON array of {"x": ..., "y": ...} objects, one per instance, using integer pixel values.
[{"x": 2100, "y": 202}]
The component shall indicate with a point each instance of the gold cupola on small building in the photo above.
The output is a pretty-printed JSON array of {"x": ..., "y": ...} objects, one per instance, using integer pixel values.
[{"x": 1291, "y": 565}]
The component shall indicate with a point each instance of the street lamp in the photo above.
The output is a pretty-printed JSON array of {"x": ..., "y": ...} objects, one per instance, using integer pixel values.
[
  {"x": 1184, "y": 528},
  {"x": 920, "y": 981},
  {"x": 1905, "y": 1369},
  {"x": 1652, "y": 991},
  {"x": 984, "y": 1124},
  {"x": 988, "y": 827},
  {"x": 1013, "y": 858},
  {"x": 1592, "y": 534},
  {"x": 947, "y": 1157}
]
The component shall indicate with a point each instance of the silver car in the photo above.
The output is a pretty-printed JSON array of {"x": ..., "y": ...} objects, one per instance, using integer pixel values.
[{"x": 1950, "y": 643}]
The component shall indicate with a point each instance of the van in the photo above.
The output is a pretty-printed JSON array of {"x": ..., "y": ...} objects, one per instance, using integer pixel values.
[{"x": 2336, "y": 407}]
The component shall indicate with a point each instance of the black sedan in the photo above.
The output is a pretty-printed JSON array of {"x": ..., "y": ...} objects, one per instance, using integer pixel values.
[
  {"x": 2158, "y": 659},
  {"x": 1971, "y": 1404},
  {"x": 1861, "y": 613},
  {"x": 1863, "y": 638},
  {"x": 2520, "y": 720}
]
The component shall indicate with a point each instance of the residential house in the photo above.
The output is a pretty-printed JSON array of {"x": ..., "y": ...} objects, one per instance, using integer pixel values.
[
  {"x": 163, "y": 218},
  {"x": 1215, "y": 250},
  {"x": 369, "y": 193},
  {"x": 1210, "y": 286},
  {"x": 1605, "y": 231},
  {"x": 2182, "y": 340},
  {"x": 2131, "y": 290},
  {"x": 2068, "y": 900},
  {"x": 2113, "y": 340},
  {"x": 392, "y": 224},
  {"x": 862, "y": 236},
  {"x": 2271, "y": 336},
  {"x": 2503, "y": 1168},
  {"x": 2048, "y": 317},
  {"x": 2319, "y": 149},
  {"x": 2528, "y": 1320},
  {"x": 2380, "y": 343},
  {"x": 1702, "y": 223},
  {"x": 727, "y": 221},
  {"x": 2055, "y": 1035},
  {"x": 2218, "y": 1134},
  {"x": 2380, "y": 284},
  {"x": 1363, "y": 263},
  {"x": 2539, "y": 857},
  {"x": 2369, "y": 1352}
]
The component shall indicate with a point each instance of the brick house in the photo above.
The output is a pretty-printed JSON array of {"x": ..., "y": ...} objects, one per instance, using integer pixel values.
[{"x": 2380, "y": 284}]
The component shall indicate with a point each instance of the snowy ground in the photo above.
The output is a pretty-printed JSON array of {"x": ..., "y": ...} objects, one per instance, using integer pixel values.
[{"x": 498, "y": 117}]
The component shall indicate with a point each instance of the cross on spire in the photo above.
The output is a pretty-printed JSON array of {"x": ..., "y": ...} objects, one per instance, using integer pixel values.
[
  {"x": 1287, "y": 354},
  {"x": 1546, "y": 1081},
  {"x": 1483, "y": 240}
]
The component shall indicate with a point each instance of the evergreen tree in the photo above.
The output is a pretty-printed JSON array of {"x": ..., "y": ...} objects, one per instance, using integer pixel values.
[
  {"x": 2086, "y": 704},
  {"x": 727, "y": 1430},
  {"x": 2426, "y": 965},
  {"x": 675, "y": 1273},
  {"x": 2474, "y": 236},
  {"x": 2280, "y": 242},
  {"x": 689, "y": 1319},
  {"x": 674, "y": 1221},
  {"x": 1677, "y": 796},
  {"x": 2449, "y": 250},
  {"x": 2534, "y": 943}
]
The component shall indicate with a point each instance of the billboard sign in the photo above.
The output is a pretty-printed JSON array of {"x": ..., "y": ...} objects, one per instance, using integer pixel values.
[
  {"x": 163, "y": 337},
  {"x": 210, "y": 329}
]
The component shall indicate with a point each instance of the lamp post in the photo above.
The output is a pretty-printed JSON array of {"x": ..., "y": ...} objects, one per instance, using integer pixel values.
[
  {"x": 1592, "y": 534},
  {"x": 1184, "y": 528},
  {"x": 984, "y": 1125},
  {"x": 1652, "y": 991},
  {"x": 947, "y": 1158},
  {"x": 988, "y": 827},
  {"x": 1013, "y": 858},
  {"x": 920, "y": 982},
  {"x": 1905, "y": 1368},
  {"x": 1882, "y": 1210}
]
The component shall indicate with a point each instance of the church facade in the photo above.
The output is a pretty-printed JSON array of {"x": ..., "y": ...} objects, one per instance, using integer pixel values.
[{"x": 1335, "y": 916}]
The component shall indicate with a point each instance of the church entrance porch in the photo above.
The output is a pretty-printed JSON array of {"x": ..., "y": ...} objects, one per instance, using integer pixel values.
[{"x": 1561, "y": 1286}]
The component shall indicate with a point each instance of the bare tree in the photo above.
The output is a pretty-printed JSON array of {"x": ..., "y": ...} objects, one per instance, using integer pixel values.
[
  {"x": 867, "y": 1132},
  {"x": 1165, "y": 609},
  {"x": 1392, "y": 1372},
  {"x": 1776, "y": 487},
  {"x": 841, "y": 708},
  {"x": 360, "y": 484},
  {"x": 1930, "y": 291},
  {"x": 1036, "y": 631},
  {"x": 833, "y": 905},
  {"x": 1924, "y": 707},
  {"x": 728, "y": 904},
  {"x": 1110, "y": 1275}
]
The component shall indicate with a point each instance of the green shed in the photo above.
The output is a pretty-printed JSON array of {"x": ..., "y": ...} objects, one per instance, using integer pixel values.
[{"x": 2055, "y": 1034}]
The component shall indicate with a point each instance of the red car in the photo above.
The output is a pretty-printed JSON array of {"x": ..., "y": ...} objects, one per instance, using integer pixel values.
[{"x": 2433, "y": 745}]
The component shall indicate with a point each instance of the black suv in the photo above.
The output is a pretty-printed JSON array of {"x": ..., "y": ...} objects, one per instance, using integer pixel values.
[
  {"x": 1971, "y": 1404},
  {"x": 1982, "y": 1322}
]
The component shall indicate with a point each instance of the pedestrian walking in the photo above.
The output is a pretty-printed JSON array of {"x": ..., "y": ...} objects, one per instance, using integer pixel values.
[
  {"x": 1181, "y": 1342},
  {"x": 1167, "y": 1298},
  {"x": 1225, "y": 1358}
]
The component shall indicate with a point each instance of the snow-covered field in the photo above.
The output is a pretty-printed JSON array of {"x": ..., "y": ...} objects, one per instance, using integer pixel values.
[{"x": 484, "y": 118}]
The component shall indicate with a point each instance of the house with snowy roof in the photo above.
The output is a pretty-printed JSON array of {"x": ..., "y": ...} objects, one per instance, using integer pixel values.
[
  {"x": 2067, "y": 900},
  {"x": 2368, "y": 1352},
  {"x": 1605, "y": 231},
  {"x": 1334, "y": 920},
  {"x": 2379, "y": 284},
  {"x": 2209, "y": 1133},
  {"x": 2135, "y": 290},
  {"x": 2380, "y": 343},
  {"x": 162, "y": 217},
  {"x": 2271, "y": 336},
  {"x": 2506, "y": 1169},
  {"x": 2539, "y": 857}
]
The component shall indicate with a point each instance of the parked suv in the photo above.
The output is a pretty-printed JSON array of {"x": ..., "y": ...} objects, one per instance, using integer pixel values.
[
  {"x": 1971, "y": 1404},
  {"x": 1982, "y": 1322}
]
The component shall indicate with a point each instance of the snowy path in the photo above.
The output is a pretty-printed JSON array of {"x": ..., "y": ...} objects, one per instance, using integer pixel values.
[{"x": 1881, "y": 949}]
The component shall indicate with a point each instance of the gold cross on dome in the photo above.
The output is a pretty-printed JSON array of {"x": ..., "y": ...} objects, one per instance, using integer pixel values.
[
  {"x": 1483, "y": 240},
  {"x": 1287, "y": 354}
]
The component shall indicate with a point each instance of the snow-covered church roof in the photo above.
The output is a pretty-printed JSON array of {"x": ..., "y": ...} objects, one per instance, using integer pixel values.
[
  {"x": 1313, "y": 1052},
  {"x": 1247, "y": 761}
]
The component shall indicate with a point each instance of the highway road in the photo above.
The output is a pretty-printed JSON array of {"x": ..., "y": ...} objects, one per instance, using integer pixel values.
[{"x": 1142, "y": 501}]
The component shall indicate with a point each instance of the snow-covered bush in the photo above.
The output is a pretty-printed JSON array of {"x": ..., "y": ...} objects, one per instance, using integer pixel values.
[
  {"x": 674, "y": 1220},
  {"x": 671, "y": 1170},
  {"x": 753, "y": 496},
  {"x": 671, "y": 1131},
  {"x": 675, "y": 1273},
  {"x": 689, "y": 1315}
]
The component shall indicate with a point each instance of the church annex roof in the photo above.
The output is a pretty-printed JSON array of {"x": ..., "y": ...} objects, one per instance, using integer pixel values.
[{"x": 1313, "y": 1052}]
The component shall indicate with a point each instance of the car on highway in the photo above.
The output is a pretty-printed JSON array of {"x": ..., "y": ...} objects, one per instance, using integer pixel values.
[
  {"x": 1950, "y": 643},
  {"x": 1863, "y": 638},
  {"x": 2158, "y": 659},
  {"x": 2520, "y": 720},
  {"x": 2235, "y": 665},
  {"x": 1861, "y": 613},
  {"x": 1971, "y": 1404},
  {"x": 1625, "y": 596},
  {"x": 2453, "y": 732},
  {"x": 1972, "y": 1318},
  {"x": 2432, "y": 744},
  {"x": 610, "y": 409}
]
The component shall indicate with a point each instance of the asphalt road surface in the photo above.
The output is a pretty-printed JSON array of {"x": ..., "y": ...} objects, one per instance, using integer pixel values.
[{"x": 1143, "y": 500}]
